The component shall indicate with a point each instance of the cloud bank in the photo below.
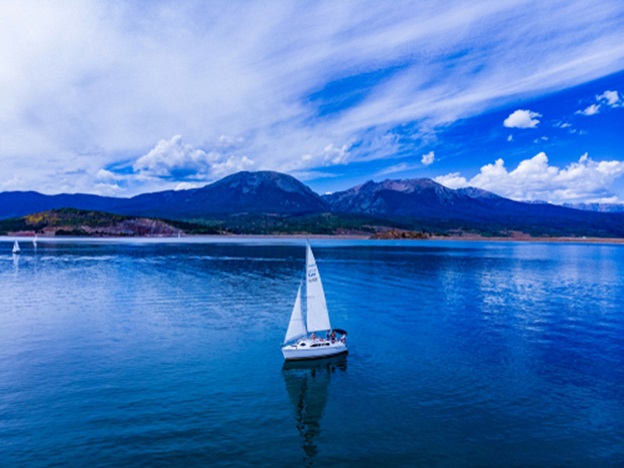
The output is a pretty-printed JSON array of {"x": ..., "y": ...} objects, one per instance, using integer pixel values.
[
  {"x": 171, "y": 158},
  {"x": 536, "y": 179}
]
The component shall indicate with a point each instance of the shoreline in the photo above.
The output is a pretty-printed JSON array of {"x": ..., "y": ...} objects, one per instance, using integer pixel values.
[
  {"x": 560, "y": 240},
  {"x": 466, "y": 238}
]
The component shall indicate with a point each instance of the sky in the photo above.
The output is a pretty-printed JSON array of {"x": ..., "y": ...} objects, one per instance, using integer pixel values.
[{"x": 521, "y": 98}]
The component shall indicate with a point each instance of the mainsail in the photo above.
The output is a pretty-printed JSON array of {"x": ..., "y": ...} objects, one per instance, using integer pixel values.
[
  {"x": 317, "y": 316},
  {"x": 296, "y": 326}
]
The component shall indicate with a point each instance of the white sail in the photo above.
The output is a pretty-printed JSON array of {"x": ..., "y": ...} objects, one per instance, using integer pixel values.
[
  {"x": 316, "y": 306},
  {"x": 296, "y": 326},
  {"x": 16, "y": 247},
  {"x": 309, "y": 317}
]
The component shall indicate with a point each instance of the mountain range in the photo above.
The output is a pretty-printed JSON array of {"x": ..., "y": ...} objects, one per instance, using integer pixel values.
[
  {"x": 257, "y": 201},
  {"x": 601, "y": 207}
]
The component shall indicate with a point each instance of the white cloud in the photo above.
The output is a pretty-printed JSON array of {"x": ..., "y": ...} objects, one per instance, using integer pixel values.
[
  {"x": 428, "y": 159},
  {"x": 336, "y": 155},
  {"x": 119, "y": 76},
  {"x": 188, "y": 185},
  {"x": 454, "y": 180},
  {"x": 535, "y": 179},
  {"x": 13, "y": 183},
  {"x": 225, "y": 141},
  {"x": 174, "y": 158},
  {"x": 106, "y": 176},
  {"x": 110, "y": 190},
  {"x": 522, "y": 119},
  {"x": 606, "y": 99},
  {"x": 610, "y": 98},
  {"x": 310, "y": 175},
  {"x": 401, "y": 167},
  {"x": 592, "y": 109}
]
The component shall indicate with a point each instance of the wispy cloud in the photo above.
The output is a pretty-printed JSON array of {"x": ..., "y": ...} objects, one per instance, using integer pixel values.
[
  {"x": 397, "y": 168},
  {"x": 299, "y": 87},
  {"x": 590, "y": 110},
  {"x": 562, "y": 125},
  {"x": 608, "y": 99},
  {"x": 536, "y": 179}
]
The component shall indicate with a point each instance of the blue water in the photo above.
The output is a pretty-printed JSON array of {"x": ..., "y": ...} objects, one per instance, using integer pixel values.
[{"x": 147, "y": 353}]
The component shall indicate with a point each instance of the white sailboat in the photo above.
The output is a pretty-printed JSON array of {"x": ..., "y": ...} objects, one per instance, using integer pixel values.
[
  {"x": 310, "y": 334},
  {"x": 34, "y": 241},
  {"x": 16, "y": 248}
]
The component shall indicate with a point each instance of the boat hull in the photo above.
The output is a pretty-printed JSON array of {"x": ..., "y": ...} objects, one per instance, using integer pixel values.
[{"x": 309, "y": 349}]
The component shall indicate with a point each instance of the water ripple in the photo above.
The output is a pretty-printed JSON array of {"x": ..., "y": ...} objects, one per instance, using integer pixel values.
[{"x": 146, "y": 353}]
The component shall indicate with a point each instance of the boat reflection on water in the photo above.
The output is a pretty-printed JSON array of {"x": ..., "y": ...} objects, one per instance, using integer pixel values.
[{"x": 307, "y": 383}]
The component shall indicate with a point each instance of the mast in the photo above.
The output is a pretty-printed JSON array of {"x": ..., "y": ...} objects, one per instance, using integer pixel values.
[{"x": 317, "y": 314}]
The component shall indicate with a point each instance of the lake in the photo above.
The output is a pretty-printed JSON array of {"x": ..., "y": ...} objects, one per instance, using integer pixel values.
[{"x": 159, "y": 353}]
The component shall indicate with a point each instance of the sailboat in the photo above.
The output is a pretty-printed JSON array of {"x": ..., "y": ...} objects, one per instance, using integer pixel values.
[
  {"x": 16, "y": 248},
  {"x": 310, "y": 334},
  {"x": 34, "y": 241}
]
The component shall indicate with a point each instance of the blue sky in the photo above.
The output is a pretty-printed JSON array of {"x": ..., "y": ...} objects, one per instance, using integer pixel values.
[{"x": 522, "y": 98}]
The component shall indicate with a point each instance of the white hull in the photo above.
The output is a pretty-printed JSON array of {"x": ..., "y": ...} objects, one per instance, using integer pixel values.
[{"x": 313, "y": 349}]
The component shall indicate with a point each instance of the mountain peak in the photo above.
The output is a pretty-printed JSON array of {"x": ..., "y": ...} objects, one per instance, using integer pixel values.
[
  {"x": 407, "y": 185},
  {"x": 420, "y": 198},
  {"x": 477, "y": 193},
  {"x": 251, "y": 182},
  {"x": 259, "y": 192},
  {"x": 396, "y": 185}
]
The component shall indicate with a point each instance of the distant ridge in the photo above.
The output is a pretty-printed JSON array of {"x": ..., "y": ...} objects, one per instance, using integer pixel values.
[
  {"x": 266, "y": 202},
  {"x": 17, "y": 204},
  {"x": 427, "y": 203},
  {"x": 599, "y": 207}
]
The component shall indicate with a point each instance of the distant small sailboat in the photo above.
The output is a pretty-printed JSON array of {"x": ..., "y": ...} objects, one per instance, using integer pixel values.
[
  {"x": 16, "y": 248},
  {"x": 34, "y": 241},
  {"x": 302, "y": 341}
]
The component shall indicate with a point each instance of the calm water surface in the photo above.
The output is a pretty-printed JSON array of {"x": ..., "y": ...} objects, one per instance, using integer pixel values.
[{"x": 145, "y": 353}]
